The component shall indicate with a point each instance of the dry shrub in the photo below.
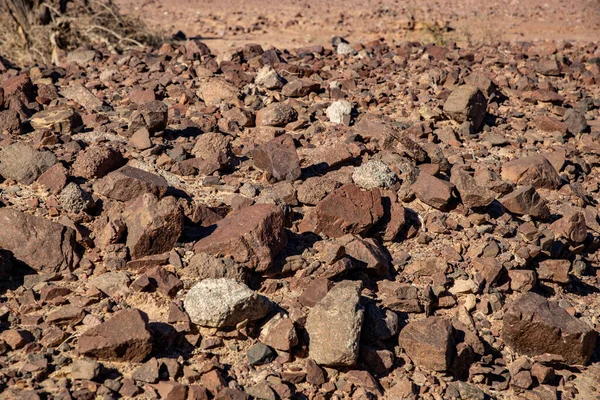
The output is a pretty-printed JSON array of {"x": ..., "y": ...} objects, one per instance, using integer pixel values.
[{"x": 36, "y": 31}]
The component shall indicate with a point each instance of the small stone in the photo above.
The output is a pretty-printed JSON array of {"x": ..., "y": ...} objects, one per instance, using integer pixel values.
[
  {"x": 260, "y": 354},
  {"x": 534, "y": 170},
  {"x": 276, "y": 114},
  {"x": 280, "y": 334},
  {"x": 339, "y": 111},
  {"x": 85, "y": 369},
  {"x": 74, "y": 199},
  {"x": 373, "y": 174},
  {"x": 466, "y": 103},
  {"x": 526, "y": 201},
  {"x": 300, "y": 88},
  {"x": 23, "y": 163},
  {"x": 63, "y": 120},
  {"x": 127, "y": 183},
  {"x": 471, "y": 194},
  {"x": 96, "y": 162},
  {"x": 269, "y": 78},
  {"x": 428, "y": 342},
  {"x": 278, "y": 158},
  {"x": 148, "y": 372},
  {"x": 432, "y": 191}
]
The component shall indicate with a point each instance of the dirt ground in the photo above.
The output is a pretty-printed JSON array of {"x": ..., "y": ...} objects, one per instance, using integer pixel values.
[{"x": 295, "y": 23}]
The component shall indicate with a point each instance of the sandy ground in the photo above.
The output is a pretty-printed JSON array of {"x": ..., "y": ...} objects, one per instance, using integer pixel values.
[{"x": 294, "y": 23}]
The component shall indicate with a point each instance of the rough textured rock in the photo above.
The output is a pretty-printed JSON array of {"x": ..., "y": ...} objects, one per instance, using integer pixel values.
[
  {"x": 153, "y": 225},
  {"x": 127, "y": 183},
  {"x": 471, "y": 194},
  {"x": 339, "y": 111},
  {"x": 346, "y": 210},
  {"x": 276, "y": 114},
  {"x": 533, "y": 170},
  {"x": 466, "y": 103},
  {"x": 278, "y": 158},
  {"x": 432, "y": 191},
  {"x": 96, "y": 162},
  {"x": 23, "y": 163},
  {"x": 74, "y": 199},
  {"x": 373, "y": 174},
  {"x": 43, "y": 245},
  {"x": 334, "y": 325},
  {"x": 533, "y": 325},
  {"x": 224, "y": 303},
  {"x": 64, "y": 120},
  {"x": 253, "y": 235},
  {"x": 526, "y": 201},
  {"x": 124, "y": 337},
  {"x": 428, "y": 342}
]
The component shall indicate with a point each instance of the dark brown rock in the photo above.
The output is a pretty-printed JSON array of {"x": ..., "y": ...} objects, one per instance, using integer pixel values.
[
  {"x": 466, "y": 103},
  {"x": 428, "y": 342},
  {"x": 533, "y": 325},
  {"x": 526, "y": 201},
  {"x": 534, "y": 170},
  {"x": 278, "y": 158},
  {"x": 127, "y": 183}
]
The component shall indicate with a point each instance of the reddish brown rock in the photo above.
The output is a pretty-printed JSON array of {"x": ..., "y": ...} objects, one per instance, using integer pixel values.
[
  {"x": 280, "y": 334},
  {"x": 572, "y": 226},
  {"x": 299, "y": 88},
  {"x": 24, "y": 164},
  {"x": 428, "y": 342},
  {"x": 533, "y": 170},
  {"x": 123, "y": 337},
  {"x": 153, "y": 225},
  {"x": 96, "y": 162},
  {"x": 278, "y": 158},
  {"x": 554, "y": 270},
  {"x": 466, "y": 103},
  {"x": 471, "y": 194},
  {"x": 346, "y": 210},
  {"x": 432, "y": 191},
  {"x": 54, "y": 179},
  {"x": 526, "y": 201},
  {"x": 276, "y": 114},
  {"x": 43, "y": 245},
  {"x": 10, "y": 123},
  {"x": 533, "y": 325},
  {"x": 253, "y": 235},
  {"x": 127, "y": 183}
]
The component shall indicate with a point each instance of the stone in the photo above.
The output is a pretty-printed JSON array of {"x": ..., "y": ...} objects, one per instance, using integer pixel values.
[
  {"x": 433, "y": 191},
  {"x": 82, "y": 96},
  {"x": 16, "y": 338},
  {"x": 367, "y": 251},
  {"x": 534, "y": 170},
  {"x": 575, "y": 122},
  {"x": 339, "y": 111},
  {"x": 123, "y": 337},
  {"x": 471, "y": 193},
  {"x": 280, "y": 334},
  {"x": 154, "y": 116},
  {"x": 85, "y": 369},
  {"x": 379, "y": 324},
  {"x": 482, "y": 82},
  {"x": 278, "y": 158},
  {"x": 533, "y": 326},
  {"x": 428, "y": 342},
  {"x": 54, "y": 179},
  {"x": 554, "y": 271},
  {"x": 300, "y": 88},
  {"x": 96, "y": 161},
  {"x": 216, "y": 90},
  {"x": 66, "y": 315},
  {"x": 314, "y": 292},
  {"x": 128, "y": 183},
  {"x": 522, "y": 280},
  {"x": 526, "y": 201},
  {"x": 466, "y": 103},
  {"x": 347, "y": 209},
  {"x": 252, "y": 236},
  {"x": 268, "y": 78},
  {"x": 10, "y": 123},
  {"x": 373, "y": 174},
  {"x": 165, "y": 282},
  {"x": 314, "y": 189},
  {"x": 63, "y": 119},
  {"x": 43, "y": 245},
  {"x": 276, "y": 114},
  {"x": 169, "y": 390},
  {"x": 113, "y": 284},
  {"x": 548, "y": 67},
  {"x": 74, "y": 199},
  {"x": 141, "y": 139},
  {"x": 334, "y": 326},
  {"x": 224, "y": 303},
  {"x": 147, "y": 372},
  {"x": 203, "y": 265},
  {"x": 24, "y": 164},
  {"x": 572, "y": 226},
  {"x": 344, "y": 49},
  {"x": 260, "y": 354},
  {"x": 153, "y": 225}
]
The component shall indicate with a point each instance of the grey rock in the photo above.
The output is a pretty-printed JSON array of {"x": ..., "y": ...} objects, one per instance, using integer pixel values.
[
  {"x": 74, "y": 199},
  {"x": 260, "y": 354},
  {"x": 24, "y": 164},
  {"x": 85, "y": 369},
  {"x": 466, "y": 103},
  {"x": 338, "y": 110},
  {"x": 373, "y": 174}
]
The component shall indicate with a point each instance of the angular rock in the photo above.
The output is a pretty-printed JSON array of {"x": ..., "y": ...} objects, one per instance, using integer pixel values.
[
  {"x": 373, "y": 174},
  {"x": 554, "y": 271},
  {"x": 252, "y": 236},
  {"x": 124, "y": 337},
  {"x": 429, "y": 344},
  {"x": 575, "y": 122},
  {"x": 82, "y": 96},
  {"x": 216, "y": 91},
  {"x": 346, "y": 210},
  {"x": 153, "y": 225},
  {"x": 280, "y": 334},
  {"x": 63, "y": 120},
  {"x": 471, "y": 194},
  {"x": 43, "y": 245},
  {"x": 334, "y": 326},
  {"x": 10, "y": 123},
  {"x": 224, "y": 302},
  {"x": 533, "y": 325},
  {"x": 466, "y": 103},
  {"x": 128, "y": 183},
  {"x": 276, "y": 114},
  {"x": 433, "y": 191},
  {"x": 339, "y": 111},
  {"x": 96, "y": 162},
  {"x": 572, "y": 226},
  {"x": 526, "y": 201},
  {"x": 24, "y": 164},
  {"x": 534, "y": 170},
  {"x": 299, "y": 88},
  {"x": 74, "y": 199},
  {"x": 269, "y": 78},
  {"x": 278, "y": 158}
]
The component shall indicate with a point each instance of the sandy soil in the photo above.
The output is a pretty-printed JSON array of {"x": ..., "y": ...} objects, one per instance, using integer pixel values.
[{"x": 295, "y": 23}]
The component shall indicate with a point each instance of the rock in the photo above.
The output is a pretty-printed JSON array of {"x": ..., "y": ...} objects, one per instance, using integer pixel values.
[
  {"x": 216, "y": 91},
  {"x": 532, "y": 326},
  {"x": 575, "y": 122},
  {"x": 124, "y": 337},
  {"x": 224, "y": 303},
  {"x": 85, "y": 369},
  {"x": 269, "y": 78},
  {"x": 170, "y": 390},
  {"x": 16, "y": 339},
  {"x": 433, "y": 191},
  {"x": 63, "y": 120},
  {"x": 368, "y": 252},
  {"x": 141, "y": 139},
  {"x": 373, "y": 174},
  {"x": 260, "y": 354},
  {"x": 339, "y": 111},
  {"x": 379, "y": 324},
  {"x": 43, "y": 245},
  {"x": 548, "y": 67},
  {"x": 314, "y": 189},
  {"x": 128, "y": 183},
  {"x": 276, "y": 114},
  {"x": 113, "y": 284},
  {"x": 147, "y": 372},
  {"x": 334, "y": 326},
  {"x": 278, "y": 158},
  {"x": 23, "y": 163},
  {"x": 165, "y": 282},
  {"x": 346, "y": 210},
  {"x": 74, "y": 199},
  {"x": 482, "y": 82},
  {"x": 429, "y": 344},
  {"x": 471, "y": 193},
  {"x": 82, "y": 96},
  {"x": 554, "y": 271},
  {"x": 300, "y": 88},
  {"x": 526, "y": 201},
  {"x": 572, "y": 226},
  {"x": 252, "y": 236},
  {"x": 522, "y": 280},
  {"x": 466, "y": 103},
  {"x": 153, "y": 225},
  {"x": 54, "y": 179},
  {"x": 280, "y": 334},
  {"x": 10, "y": 123},
  {"x": 534, "y": 170},
  {"x": 203, "y": 266},
  {"x": 152, "y": 116},
  {"x": 96, "y": 161}
]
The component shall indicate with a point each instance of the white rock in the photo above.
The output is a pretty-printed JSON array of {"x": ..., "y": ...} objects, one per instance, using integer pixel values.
[
  {"x": 373, "y": 174},
  {"x": 344, "y": 48},
  {"x": 337, "y": 110},
  {"x": 269, "y": 78},
  {"x": 224, "y": 303}
]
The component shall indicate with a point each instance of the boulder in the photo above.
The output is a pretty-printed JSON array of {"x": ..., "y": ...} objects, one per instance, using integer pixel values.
[
  {"x": 429, "y": 344},
  {"x": 534, "y": 170},
  {"x": 24, "y": 164}
]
